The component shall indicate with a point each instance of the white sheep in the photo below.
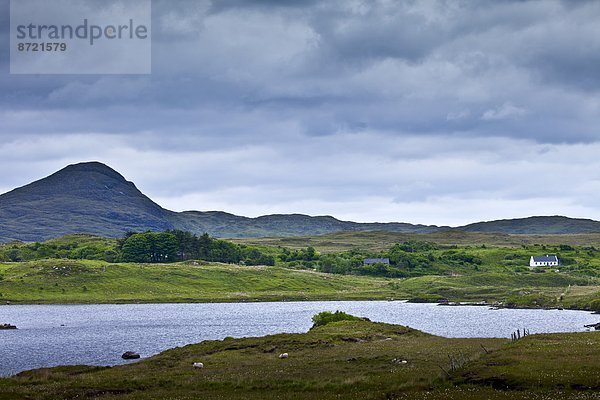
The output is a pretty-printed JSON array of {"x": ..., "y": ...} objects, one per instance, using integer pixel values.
[
  {"x": 198, "y": 365},
  {"x": 284, "y": 355}
]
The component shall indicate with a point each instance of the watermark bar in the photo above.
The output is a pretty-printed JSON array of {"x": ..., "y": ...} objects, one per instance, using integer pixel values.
[{"x": 80, "y": 37}]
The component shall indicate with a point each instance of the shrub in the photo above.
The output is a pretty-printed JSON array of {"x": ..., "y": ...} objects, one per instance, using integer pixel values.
[{"x": 326, "y": 317}]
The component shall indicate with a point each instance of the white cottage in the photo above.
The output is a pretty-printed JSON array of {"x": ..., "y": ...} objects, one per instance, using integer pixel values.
[{"x": 543, "y": 261}]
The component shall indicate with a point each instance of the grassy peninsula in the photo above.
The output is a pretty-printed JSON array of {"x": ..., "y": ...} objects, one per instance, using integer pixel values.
[{"x": 339, "y": 360}]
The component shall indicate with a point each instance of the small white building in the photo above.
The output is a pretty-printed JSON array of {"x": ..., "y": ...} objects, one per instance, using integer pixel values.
[{"x": 543, "y": 261}]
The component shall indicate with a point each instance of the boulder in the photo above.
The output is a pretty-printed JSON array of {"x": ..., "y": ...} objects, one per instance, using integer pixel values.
[
  {"x": 595, "y": 326},
  {"x": 130, "y": 355}
]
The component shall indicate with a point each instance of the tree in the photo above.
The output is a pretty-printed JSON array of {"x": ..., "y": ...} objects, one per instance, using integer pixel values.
[
  {"x": 136, "y": 248},
  {"x": 203, "y": 247},
  {"x": 185, "y": 243},
  {"x": 163, "y": 246}
]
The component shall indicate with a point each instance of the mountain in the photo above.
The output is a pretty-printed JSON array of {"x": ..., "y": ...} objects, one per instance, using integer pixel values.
[
  {"x": 536, "y": 226},
  {"x": 222, "y": 224},
  {"x": 92, "y": 198},
  {"x": 85, "y": 198}
]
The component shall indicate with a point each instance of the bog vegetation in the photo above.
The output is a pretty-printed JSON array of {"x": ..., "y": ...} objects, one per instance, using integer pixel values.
[
  {"x": 412, "y": 258},
  {"x": 418, "y": 269},
  {"x": 327, "y": 317}
]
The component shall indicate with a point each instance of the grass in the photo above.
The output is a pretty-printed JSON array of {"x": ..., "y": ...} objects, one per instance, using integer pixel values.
[
  {"x": 86, "y": 281},
  {"x": 351, "y": 360},
  {"x": 340, "y": 360},
  {"x": 66, "y": 281},
  {"x": 498, "y": 274}
]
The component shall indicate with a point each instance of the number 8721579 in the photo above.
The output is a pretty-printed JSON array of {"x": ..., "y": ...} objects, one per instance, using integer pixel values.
[{"x": 43, "y": 46}]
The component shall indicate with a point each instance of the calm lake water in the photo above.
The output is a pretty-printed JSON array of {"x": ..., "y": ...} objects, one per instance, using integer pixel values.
[{"x": 51, "y": 335}]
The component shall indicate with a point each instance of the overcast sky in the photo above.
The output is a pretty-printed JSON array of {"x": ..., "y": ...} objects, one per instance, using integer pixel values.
[{"x": 442, "y": 112}]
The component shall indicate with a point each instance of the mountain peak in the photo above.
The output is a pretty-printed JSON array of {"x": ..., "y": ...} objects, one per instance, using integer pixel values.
[
  {"x": 91, "y": 166},
  {"x": 88, "y": 197}
]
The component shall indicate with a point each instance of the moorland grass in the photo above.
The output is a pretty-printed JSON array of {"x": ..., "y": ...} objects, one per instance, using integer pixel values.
[
  {"x": 340, "y": 360},
  {"x": 86, "y": 281}
]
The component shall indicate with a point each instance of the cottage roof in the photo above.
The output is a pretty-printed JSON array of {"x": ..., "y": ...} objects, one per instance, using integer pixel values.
[
  {"x": 545, "y": 258},
  {"x": 377, "y": 260}
]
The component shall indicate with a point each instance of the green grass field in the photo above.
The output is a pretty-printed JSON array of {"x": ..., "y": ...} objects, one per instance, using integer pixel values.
[
  {"x": 471, "y": 267},
  {"x": 84, "y": 281},
  {"x": 69, "y": 281},
  {"x": 340, "y": 360}
]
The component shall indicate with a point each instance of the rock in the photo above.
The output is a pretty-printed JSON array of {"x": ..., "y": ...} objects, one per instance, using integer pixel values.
[
  {"x": 130, "y": 355},
  {"x": 198, "y": 365},
  {"x": 595, "y": 326},
  {"x": 284, "y": 355},
  {"x": 7, "y": 326}
]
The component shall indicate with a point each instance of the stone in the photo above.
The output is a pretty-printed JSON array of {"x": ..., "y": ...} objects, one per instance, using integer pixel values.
[{"x": 130, "y": 355}]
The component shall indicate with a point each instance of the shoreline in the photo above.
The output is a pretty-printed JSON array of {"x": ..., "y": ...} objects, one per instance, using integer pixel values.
[{"x": 492, "y": 306}]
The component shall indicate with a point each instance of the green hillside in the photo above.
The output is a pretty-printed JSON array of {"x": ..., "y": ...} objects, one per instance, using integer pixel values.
[
  {"x": 86, "y": 281},
  {"x": 66, "y": 281},
  {"x": 86, "y": 269}
]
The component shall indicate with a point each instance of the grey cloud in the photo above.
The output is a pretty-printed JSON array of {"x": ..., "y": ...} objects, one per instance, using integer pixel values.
[
  {"x": 415, "y": 105},
  {"x": 217, "y": 6},
  {"x": 337, "y": 74}
]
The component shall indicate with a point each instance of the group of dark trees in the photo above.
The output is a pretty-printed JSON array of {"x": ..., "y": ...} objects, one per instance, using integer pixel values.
[{"x": 177, "y": 245}]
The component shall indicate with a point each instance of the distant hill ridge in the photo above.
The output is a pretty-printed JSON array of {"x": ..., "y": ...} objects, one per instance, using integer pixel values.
[
  {"x": 93, "y": 198},
  {"x": 537, "y": 225}
]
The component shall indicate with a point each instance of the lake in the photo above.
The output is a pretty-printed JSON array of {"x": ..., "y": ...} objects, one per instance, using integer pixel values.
[{"x": 51, "y": 335}]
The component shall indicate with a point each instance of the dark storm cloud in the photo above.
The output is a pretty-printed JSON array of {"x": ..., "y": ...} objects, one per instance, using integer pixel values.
[
  {"x": 4, "y": 36},
  {"x": 398, "y": 67}
]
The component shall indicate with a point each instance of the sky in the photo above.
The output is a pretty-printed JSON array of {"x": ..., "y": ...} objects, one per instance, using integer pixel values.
[{"x": 433, "y": 112}]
